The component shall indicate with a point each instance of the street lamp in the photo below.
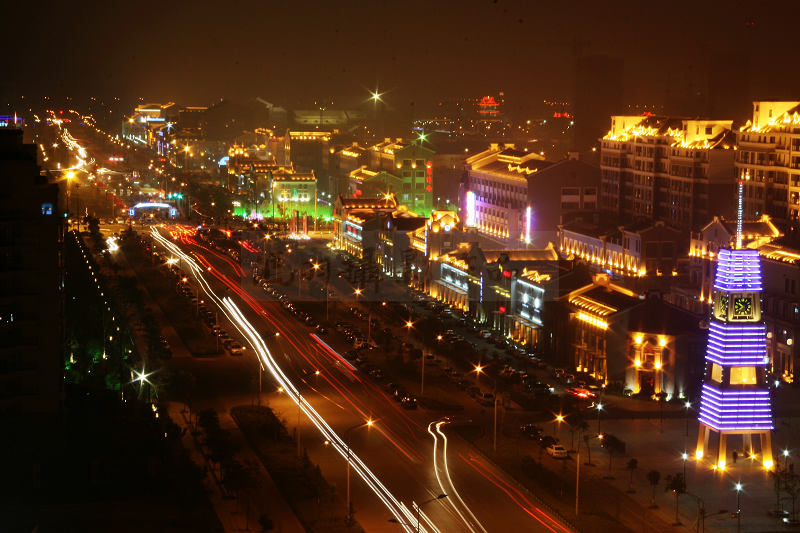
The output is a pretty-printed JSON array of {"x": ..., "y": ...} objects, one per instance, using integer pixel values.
[
  {"x": 786, "y": 459},
  {"x": 559, "y": 418},
  {"x": 369, "y": 423}
]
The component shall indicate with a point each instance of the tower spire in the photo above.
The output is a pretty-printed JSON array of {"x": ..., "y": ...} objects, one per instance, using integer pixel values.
[{"x": 739, "y": 214}]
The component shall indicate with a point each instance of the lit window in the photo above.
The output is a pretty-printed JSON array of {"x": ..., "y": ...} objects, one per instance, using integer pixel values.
[
  {"x": 716, "y": 373},
  {"x": 743, "y": 375},
  {"x": 47, "y": 209}
]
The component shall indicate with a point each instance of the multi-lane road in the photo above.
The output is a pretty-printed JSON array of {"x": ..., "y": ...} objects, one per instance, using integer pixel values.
[{"x": 401, "y": 458}]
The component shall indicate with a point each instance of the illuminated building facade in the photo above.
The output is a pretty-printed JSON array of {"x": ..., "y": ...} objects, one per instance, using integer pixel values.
[
  {"x": 504, "y": 289},
  {"x": 735, "y": 397},
  {"x": 679, "y": 171},
  {"x": 632, "y": 251},
  {"x": 513, "y": 196},
  {"x": 781, "y": 299},
  {"x": 349, "y": 218},
  {"x": 597, "y": 327},
  {"x": 495, "y": 191},
  {"x": 768, "y": 160},
  {"x": 294, "y": 190},
  {"x": 405, "y": 170},
  {"x": 665, "y": 350}
]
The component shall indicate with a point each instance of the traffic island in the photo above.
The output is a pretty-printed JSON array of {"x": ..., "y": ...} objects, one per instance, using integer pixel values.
[{"x": 313, "y": 500}]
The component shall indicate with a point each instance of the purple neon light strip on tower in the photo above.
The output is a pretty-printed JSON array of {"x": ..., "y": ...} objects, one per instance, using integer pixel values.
[
  {"x": 736, "y": 344},
  {"x": 736, "y": 410},
  {"x": 738, "y": 270}
]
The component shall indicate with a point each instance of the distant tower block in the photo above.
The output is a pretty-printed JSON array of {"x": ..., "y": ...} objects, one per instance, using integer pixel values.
[{"x": 735, "y": 398}]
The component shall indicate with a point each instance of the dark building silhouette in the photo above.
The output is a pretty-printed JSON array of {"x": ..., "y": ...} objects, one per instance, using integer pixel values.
[
  {"x": 31, "y": 362},
  {"x": 598, "y": 95}
]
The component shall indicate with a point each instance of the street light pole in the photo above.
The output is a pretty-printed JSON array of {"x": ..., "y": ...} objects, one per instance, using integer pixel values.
[
  {"x": 368, "y": 423},
  {"x": 422, "y": 377},
  {"x": 578, "y": 480},
  {"x": 599, "y": 408},
  {"x": 687, "y": 405},
  {"x": 738, "y": 487}
]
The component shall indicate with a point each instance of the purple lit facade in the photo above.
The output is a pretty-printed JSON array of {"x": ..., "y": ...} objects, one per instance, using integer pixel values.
[{"x": 735, "y": 397}]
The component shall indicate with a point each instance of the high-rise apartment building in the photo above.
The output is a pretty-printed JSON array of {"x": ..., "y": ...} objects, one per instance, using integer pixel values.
[
  {"x": 679, "y": 171},
  {"x": 768, "y": 161},
  {"x": 31, "y": 359}
]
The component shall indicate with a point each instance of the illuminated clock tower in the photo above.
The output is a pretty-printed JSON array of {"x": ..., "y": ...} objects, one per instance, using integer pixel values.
[{"x": 735, "y": 398}]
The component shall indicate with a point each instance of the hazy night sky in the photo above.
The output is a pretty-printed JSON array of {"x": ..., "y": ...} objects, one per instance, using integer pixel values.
[{"x": 294, "y": 52}]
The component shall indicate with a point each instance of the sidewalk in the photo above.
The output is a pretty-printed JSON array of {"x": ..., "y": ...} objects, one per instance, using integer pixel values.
[{"x": 235, "y": 515}]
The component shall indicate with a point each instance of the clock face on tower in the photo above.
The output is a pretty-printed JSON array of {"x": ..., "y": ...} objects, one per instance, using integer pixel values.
[
  {"x": 743, "y": 307},
  {"x": 722, "y": 307}
]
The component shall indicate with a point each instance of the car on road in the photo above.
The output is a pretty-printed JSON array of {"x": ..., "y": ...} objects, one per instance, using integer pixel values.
[
  {"x": 408, "y": 402},
  {"x": 557, "y": 451},
  {"x": 235, "y": 348},
  {"x": 582, "y": 394}
]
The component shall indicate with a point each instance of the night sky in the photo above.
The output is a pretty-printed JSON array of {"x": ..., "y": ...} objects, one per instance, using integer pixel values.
[{"x": 293, "y": 52}]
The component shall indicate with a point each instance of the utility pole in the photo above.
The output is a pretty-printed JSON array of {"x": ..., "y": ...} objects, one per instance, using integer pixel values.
[{"x": 578, "y": 479}]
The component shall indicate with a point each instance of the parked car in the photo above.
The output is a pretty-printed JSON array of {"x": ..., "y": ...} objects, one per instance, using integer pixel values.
[
  {"x": 531, "y": 431},
  {"x": 557, "y": 451}
]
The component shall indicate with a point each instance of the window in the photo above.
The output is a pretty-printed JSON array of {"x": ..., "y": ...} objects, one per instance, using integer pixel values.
[
  {"x": 47, "y": 209},
  {"x": 716, "y": 373},
  {"x": 708, "y": 130},
  {"x": 743, "y": 375}
]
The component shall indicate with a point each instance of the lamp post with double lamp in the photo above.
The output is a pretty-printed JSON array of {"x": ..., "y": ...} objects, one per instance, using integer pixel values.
[{"x": 368, "y": 424}]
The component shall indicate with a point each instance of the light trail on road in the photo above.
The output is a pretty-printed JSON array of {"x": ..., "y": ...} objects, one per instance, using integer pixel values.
[
  {"x": 515, "y": 494},
  {"x": 449, "y": 487},
  {"x": 401, "y": 513}
]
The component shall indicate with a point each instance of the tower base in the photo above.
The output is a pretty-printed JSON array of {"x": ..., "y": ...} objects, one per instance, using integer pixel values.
[{"x": 765, "y": 442}]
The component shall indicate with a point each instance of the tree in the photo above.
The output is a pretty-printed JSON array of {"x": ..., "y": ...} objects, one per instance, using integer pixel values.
[
  {"x": 613, "y": 446},
  {"x": 653, "y": 476},
  {"x": 588, "y": 450},
  {"x": 266, "y": 523},
  {"x": 791, "y": 485},
  {"x": 576, "y": 424},
  {"x": 676, "y": 484},
  {"x": 632, "y": 465}
]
